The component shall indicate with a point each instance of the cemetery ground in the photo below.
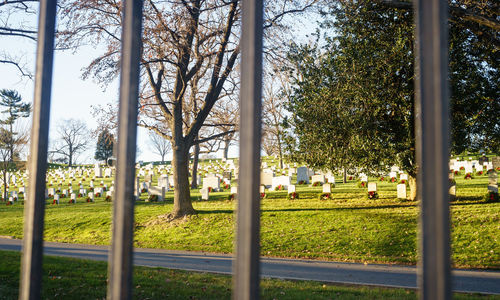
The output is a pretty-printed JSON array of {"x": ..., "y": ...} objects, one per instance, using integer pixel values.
[
  {"x": 68, "y": 278},
  {"x": 348, "y": 228}
]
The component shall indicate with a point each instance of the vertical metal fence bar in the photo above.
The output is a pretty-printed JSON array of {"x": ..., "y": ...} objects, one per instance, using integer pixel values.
[
  {"x": 432, "y": 144},
  {"x": 31, "y": 266},
  {"x": 246, "y": 265},
  {"x": 120, "y": 260}
]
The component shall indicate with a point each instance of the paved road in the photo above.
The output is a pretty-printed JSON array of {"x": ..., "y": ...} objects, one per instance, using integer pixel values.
[{"x": 487, "y": 282}]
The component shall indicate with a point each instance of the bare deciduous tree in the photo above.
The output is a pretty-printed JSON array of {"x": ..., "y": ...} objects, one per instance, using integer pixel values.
[
  {"x": 273, "y": 114},
  {"x": 73, "y": 140},
  {"x": 160, "y": 145},
  {"x": 190, "y": 49},
  {"x": 17, "y": 20}
]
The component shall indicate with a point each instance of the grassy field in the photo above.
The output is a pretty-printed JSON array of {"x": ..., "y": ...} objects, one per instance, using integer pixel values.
[
  {"x": 348, "y": 228},
  {"x": 65, "y": 278}
]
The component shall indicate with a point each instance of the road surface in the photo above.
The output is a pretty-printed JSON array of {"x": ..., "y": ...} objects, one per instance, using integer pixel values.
[{"x": 472, "y": 281}]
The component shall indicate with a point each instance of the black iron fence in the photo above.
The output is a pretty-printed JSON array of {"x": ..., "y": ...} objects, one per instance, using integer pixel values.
[{"x": 432, "y": 112}]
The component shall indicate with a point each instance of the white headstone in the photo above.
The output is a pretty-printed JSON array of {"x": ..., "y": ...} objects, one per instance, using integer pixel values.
[
  {"x": 204, "y": 194},
  {"x": 392, "y": 174},
  {"x": 212, "y": 182},
  {"x": 327, "y": 188},
  {"x": 163, "y": 181},
  {"x": 262, "y": 189},
  {"x": 363, "y": 178},
  {"x": 291, "y": 188},
  {"x": 97, "y": 171},
  {"x": 372, "y": 187},
  {"x": 401, "y": 191},
  {"x": 234, "y": 190},
  {"x": 318, "y": 178},
  {"x": 266, "y": 178},
  {"x": 403, "y": 177},
  {"x": 284, "y": 181}
]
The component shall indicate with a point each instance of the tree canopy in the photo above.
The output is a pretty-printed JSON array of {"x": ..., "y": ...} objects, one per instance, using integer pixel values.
[
  {"x": 353, "y": 99},
  {"x": 104, "y": 147}
]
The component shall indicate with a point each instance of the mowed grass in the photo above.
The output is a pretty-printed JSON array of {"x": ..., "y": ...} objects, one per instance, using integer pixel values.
[
  {"x": 66, "y": 278},
  {"x": 348, "y": 228}
]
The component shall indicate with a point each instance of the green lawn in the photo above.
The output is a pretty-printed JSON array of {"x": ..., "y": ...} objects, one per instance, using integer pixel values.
[
  {"x": 66, "y": 278},
  {"x": 347, "y": 228}
]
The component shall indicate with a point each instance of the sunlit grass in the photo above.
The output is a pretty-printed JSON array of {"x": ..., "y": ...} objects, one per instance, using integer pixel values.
[{"x": 348, "y": 228}]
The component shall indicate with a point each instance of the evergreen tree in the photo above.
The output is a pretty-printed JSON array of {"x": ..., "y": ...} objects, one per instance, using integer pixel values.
[
  {"x": 356, "y": 94},
  {"x": 14, "y": 109},
  {"x": 104, "y": 147}
]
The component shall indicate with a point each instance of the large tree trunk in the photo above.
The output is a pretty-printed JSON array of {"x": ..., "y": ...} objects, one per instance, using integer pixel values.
[
  {"x": 194, "y": 174},
  {"x": 182, "y": 196},
  {"x": 412, "y": 181},
  {"x": 344, "y": 177},
  {"x": 226, "y": 148}
]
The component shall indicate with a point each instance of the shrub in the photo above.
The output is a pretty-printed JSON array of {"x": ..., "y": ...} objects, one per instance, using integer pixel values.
[
  {"x": 325, "y": 196},
  {"x": 491, "y": 197},
  {"x": 292, "y": 196},
  {"x": 317, "y": 183},
  {"x": 232, "y": 197},
  {"x": 108, "y": 199},
  {"x": 302, "y": 182},
  {"x": 153, "y": 198},
  {"x": 362, "y": 184},
  {"x": 278, "y": 188},
  {"x": 372, "y": 195},
  {"x": 468, "y": 176}
]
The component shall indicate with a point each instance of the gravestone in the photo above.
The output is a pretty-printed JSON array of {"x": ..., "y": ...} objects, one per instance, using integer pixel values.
[
  {"x": 318, "y": 178},
  {"x": 453, "y": 187},
  {"x": 212, "y": 182},
  {"x": 163, "y": 181},
  {"x": 401, "y": 191},
  {"x": 56, "y": 199},
  {"x": 331, "y": 179},
  {"x": 148, "y": 177},
  {"x": 291, "y": 188},
  {"x": 302, "y": 175},
  {"x": 363, "y": 178},
  {"x": 284, "y": 181},
  {"x": 262, "y": 189},
  {"x": 327, "y": 188},
  {"x": 204, "y": 194},
  {"x": 403, "y": 177},
  {"x": 108, "y": 172},
  {"x": 73, "y": 197},
  {"x": 266, "y": 178},
  {"x": 234, "y": 190},
  {"x": 91, "y": 196},
  {"x": 493, "y": 182},
  {"x": 372, "y": 187},
  {"x": 159, "y": 191},
  {"x": 97, "y": 171},
  {"x": 495, "y": 162}
]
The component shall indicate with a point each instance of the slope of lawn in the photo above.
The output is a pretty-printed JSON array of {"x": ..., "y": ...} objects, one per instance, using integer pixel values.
[{"x": 348, "y": 228}]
